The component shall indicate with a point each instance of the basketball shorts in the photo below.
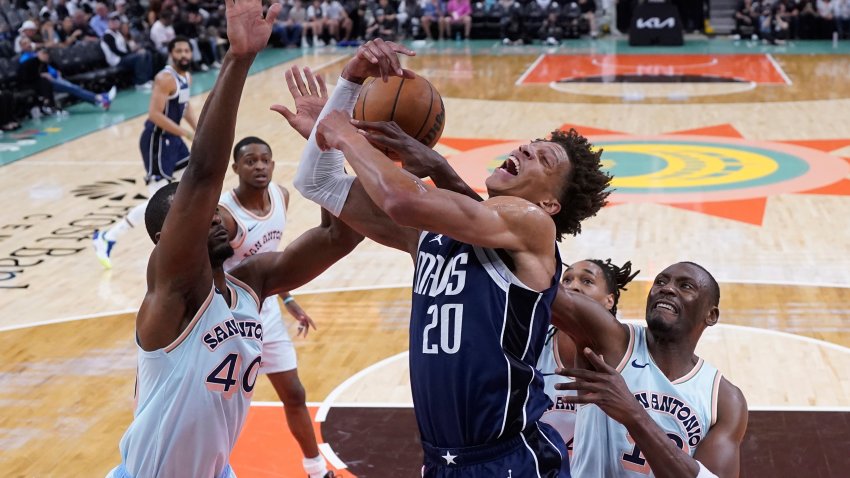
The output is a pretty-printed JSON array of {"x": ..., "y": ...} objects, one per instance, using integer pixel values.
[
  {"x": 278, "y": 349},
  {"x": 536, "y": 452},
  {"x": 163, "y": 154},
  {"x": 121, "y": 472}
]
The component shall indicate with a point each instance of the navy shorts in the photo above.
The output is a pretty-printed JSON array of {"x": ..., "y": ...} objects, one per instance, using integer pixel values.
[
  {"x": 163, "y": 154},
  {"x": 538, "y": 452}
]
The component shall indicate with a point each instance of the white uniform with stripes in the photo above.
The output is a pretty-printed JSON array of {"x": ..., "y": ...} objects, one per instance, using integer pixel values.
[
  {"x": 685, "y": 409},
  {"x": 193, "y": 396},
  {"x": 560, "y": 415},
  {"x": 256, "y": 234}
]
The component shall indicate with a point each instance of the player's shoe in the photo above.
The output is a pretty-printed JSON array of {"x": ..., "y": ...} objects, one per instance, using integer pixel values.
[{"x": 102, "y": 248}]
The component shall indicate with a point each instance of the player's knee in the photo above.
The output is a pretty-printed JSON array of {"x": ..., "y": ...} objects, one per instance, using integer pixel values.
[{"x": 294, "y": 395}]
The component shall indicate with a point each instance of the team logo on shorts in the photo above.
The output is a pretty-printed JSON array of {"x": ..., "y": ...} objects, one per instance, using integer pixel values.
[{"x": 711, "y": 170}]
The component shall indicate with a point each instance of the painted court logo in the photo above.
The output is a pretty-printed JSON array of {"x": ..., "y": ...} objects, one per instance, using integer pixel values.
[{"x": 712, "y": 170}]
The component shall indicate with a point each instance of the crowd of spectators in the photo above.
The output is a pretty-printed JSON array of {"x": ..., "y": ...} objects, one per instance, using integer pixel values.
[{"x": 775, "y": 21}]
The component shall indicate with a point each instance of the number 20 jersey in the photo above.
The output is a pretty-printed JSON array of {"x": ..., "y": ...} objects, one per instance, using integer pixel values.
[
  {"x": 193, "y": 396},
  {"x": 475, "y": 336}
]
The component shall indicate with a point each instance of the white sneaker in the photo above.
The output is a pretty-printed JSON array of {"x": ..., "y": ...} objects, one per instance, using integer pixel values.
[{"x": 102, "y": 249}]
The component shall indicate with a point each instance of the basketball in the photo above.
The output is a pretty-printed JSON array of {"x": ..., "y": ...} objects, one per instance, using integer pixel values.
[{"x": 414, "y": 104}]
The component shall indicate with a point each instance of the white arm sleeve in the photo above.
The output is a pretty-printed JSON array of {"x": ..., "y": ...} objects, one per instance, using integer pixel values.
[
  {"x": 704, "y": 472},
  {"x": 321, "y": 177}
]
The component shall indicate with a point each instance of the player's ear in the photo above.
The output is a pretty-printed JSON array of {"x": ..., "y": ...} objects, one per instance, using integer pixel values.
[
  {"x": 156, "y": 237},
  {"x": 552, "y": 206},
  {"x": 233, "y": 166},
  {"x": 609, "y": 301},
  {"x": 713, "y": 316}
]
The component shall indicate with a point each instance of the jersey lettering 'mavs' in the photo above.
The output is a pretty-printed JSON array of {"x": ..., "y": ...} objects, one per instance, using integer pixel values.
[{"x": 475, "y": 336}]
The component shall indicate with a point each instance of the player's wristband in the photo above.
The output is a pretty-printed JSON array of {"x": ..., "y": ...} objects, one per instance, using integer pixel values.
[{"x": 288, "y": 300}]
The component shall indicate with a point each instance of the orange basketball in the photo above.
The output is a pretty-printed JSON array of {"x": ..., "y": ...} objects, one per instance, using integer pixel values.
[{"x": 414, "y": 104}]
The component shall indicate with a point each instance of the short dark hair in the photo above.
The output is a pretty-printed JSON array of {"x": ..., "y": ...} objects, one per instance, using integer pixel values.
[
  {"x": 586, "y": 189},
  {"x": 715, "y": 287},
  {"x": 173, "y": 43},
  {"x": 157, "y": 209},
  {"x": 245, "y": 142},
  {"x": 616, "y": 277}
]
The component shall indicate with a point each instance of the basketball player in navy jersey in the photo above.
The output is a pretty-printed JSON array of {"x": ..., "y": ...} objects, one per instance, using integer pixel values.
[
  {"x": 486, "y": 274},
  {"x": 198, "y": 329},
  {"x": 255, "y": 215},
  {"x": 660, "y": 409},
  {"x": 163, "y": 150}
]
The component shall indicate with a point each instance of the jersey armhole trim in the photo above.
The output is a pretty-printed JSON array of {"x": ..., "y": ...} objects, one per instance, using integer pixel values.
[
  {"x": 201, "y": 310},
  {"x": 248, "y": 289},
  {"x": 241, "y": 233},
  {"x": 251, "y": 214},
  {"x": 630, "y": 350},
  {"x": 715, "y": 396},
  {"x": 690, "y": 374}
]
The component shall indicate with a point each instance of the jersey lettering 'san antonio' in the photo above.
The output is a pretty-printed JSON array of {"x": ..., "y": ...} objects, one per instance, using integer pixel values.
[
  {"x": 681, "y": 411},
  {"x": 231, "y": 328}
]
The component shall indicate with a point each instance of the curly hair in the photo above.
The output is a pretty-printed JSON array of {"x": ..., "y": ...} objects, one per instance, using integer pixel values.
[
  {"x": 616, "y": 278},
  {"x": 586, "y": 188}
]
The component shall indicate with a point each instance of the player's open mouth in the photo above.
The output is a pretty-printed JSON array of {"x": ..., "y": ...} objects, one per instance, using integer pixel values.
[
  {"x": 511, "y": 165},
  {"x": 663, "y": 305}
]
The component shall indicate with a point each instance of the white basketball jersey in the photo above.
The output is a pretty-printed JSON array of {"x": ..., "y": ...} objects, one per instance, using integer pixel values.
[
  {"x": 256, "y": 234},
  {"x": 560, "y": 415},
  {"x": 193, "y": 396},
  {"x": 685, "y": 409}
]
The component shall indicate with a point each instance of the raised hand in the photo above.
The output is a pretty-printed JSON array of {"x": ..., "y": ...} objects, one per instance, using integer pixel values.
[
  {"x": 604, "y": 387},
  {"x": 333, "y": 130},
  {"x": 247, "y": 30},
  {"x": 377, "y": 58},
  {"x": 415, "y": 157},
  {"x": 310, "y": 98}
]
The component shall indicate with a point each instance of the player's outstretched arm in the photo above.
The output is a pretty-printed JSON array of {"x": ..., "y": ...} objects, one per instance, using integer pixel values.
[
  {"x": 179, "y": 272},
  {"x": 303, "y": 259},
  {"x": 504, "y": 222}
]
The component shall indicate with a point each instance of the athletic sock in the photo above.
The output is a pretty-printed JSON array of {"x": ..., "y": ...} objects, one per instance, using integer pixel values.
[
  {"x": 135, "y": 217},
  {"x": 316, "y": 466}
]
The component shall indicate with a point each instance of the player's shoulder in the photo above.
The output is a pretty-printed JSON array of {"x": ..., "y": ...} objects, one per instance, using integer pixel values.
[
  {"x": 731, "y": 403},
  {"x": 164, "y": 79},
  {"x": 522, "y": 212}
]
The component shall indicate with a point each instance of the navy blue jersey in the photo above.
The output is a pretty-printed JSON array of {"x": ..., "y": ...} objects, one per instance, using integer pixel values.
[
  {"x": 475, "y": 335},
  {"x": 176, "y": 104}
]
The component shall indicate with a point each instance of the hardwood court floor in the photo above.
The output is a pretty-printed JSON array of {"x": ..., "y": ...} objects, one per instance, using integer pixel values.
[{"x": 782, "y": 265}]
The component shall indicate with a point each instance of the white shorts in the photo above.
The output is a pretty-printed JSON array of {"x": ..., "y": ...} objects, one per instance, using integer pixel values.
[{"x": 278, "y": 349}]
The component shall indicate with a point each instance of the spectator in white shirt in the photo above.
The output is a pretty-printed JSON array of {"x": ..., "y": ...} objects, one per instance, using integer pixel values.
[{"x": 162, "y": 31}]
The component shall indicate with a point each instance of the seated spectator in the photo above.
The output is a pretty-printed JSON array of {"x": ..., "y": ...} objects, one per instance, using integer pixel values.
[
  {"x": 315, "y": 16},
  {"x": 826, "y": 25},
  {"x": 551, "y": 32},
  {"x": 204, "y": 47},
  {"x": 298, "y": 16},
  {"x": 510, "y": 21},
  {"x": 35, "y": 67},
  {"x": 81, "y": 22},
  {"x": 381, "y": 26},
  {"x": 458, "y": 12},
  {"x": 356, "y": 11},
  {"x": 286, "y": 29},
  {"x": 119, "y": 53},
  {"x": 745, "y": 19},
  {"x": 121, "y": 10},
  {"x": 44, "y": 101},
  {"x": 841, "y": 12},
  {"x": 49, "y": 35},
  {"x": 588, "y": 13},
  {"x": 68, "y": 33},
  {"x": 407, "y": 17},
  {"x": 100, "y": 20},
  {"x": 432, "y": 12},
  {"x": 29, "y": 32},
  {"x": 162, "y": 31},
  {"x": 336, "y": 20}
]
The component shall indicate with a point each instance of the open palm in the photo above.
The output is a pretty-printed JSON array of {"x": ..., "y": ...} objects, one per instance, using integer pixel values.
[
  {"x": 310, "y": 97},
  {"x": 247, "y": 30}
]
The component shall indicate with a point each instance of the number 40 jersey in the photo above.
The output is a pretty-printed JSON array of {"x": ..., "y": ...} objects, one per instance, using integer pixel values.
[{"x": 475, "y": 335}]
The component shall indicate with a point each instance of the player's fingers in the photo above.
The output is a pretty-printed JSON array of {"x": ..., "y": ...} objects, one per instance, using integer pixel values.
[
  {"x": 311, "y": 82},
  {"x": 323, "y": 88},
  {"x": 382, "y": 126},
  {"x": 382, "y": 61},
  {"x": 284, "y": 111},
  {"x": 290, "y": 82},
  {"x": 580, "y": 385},
  {"x": 578, "y": 373},
  {"x": 273, "y": 12},
  {"x": 401, "y": 49},
  {"x": 597, "y": 362},
  {"x": 299, "y": 81},
  {"x": 392, "y": 58},
  {"x": 581, "y": 399},
  {"x": 366, "y": 54}
]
